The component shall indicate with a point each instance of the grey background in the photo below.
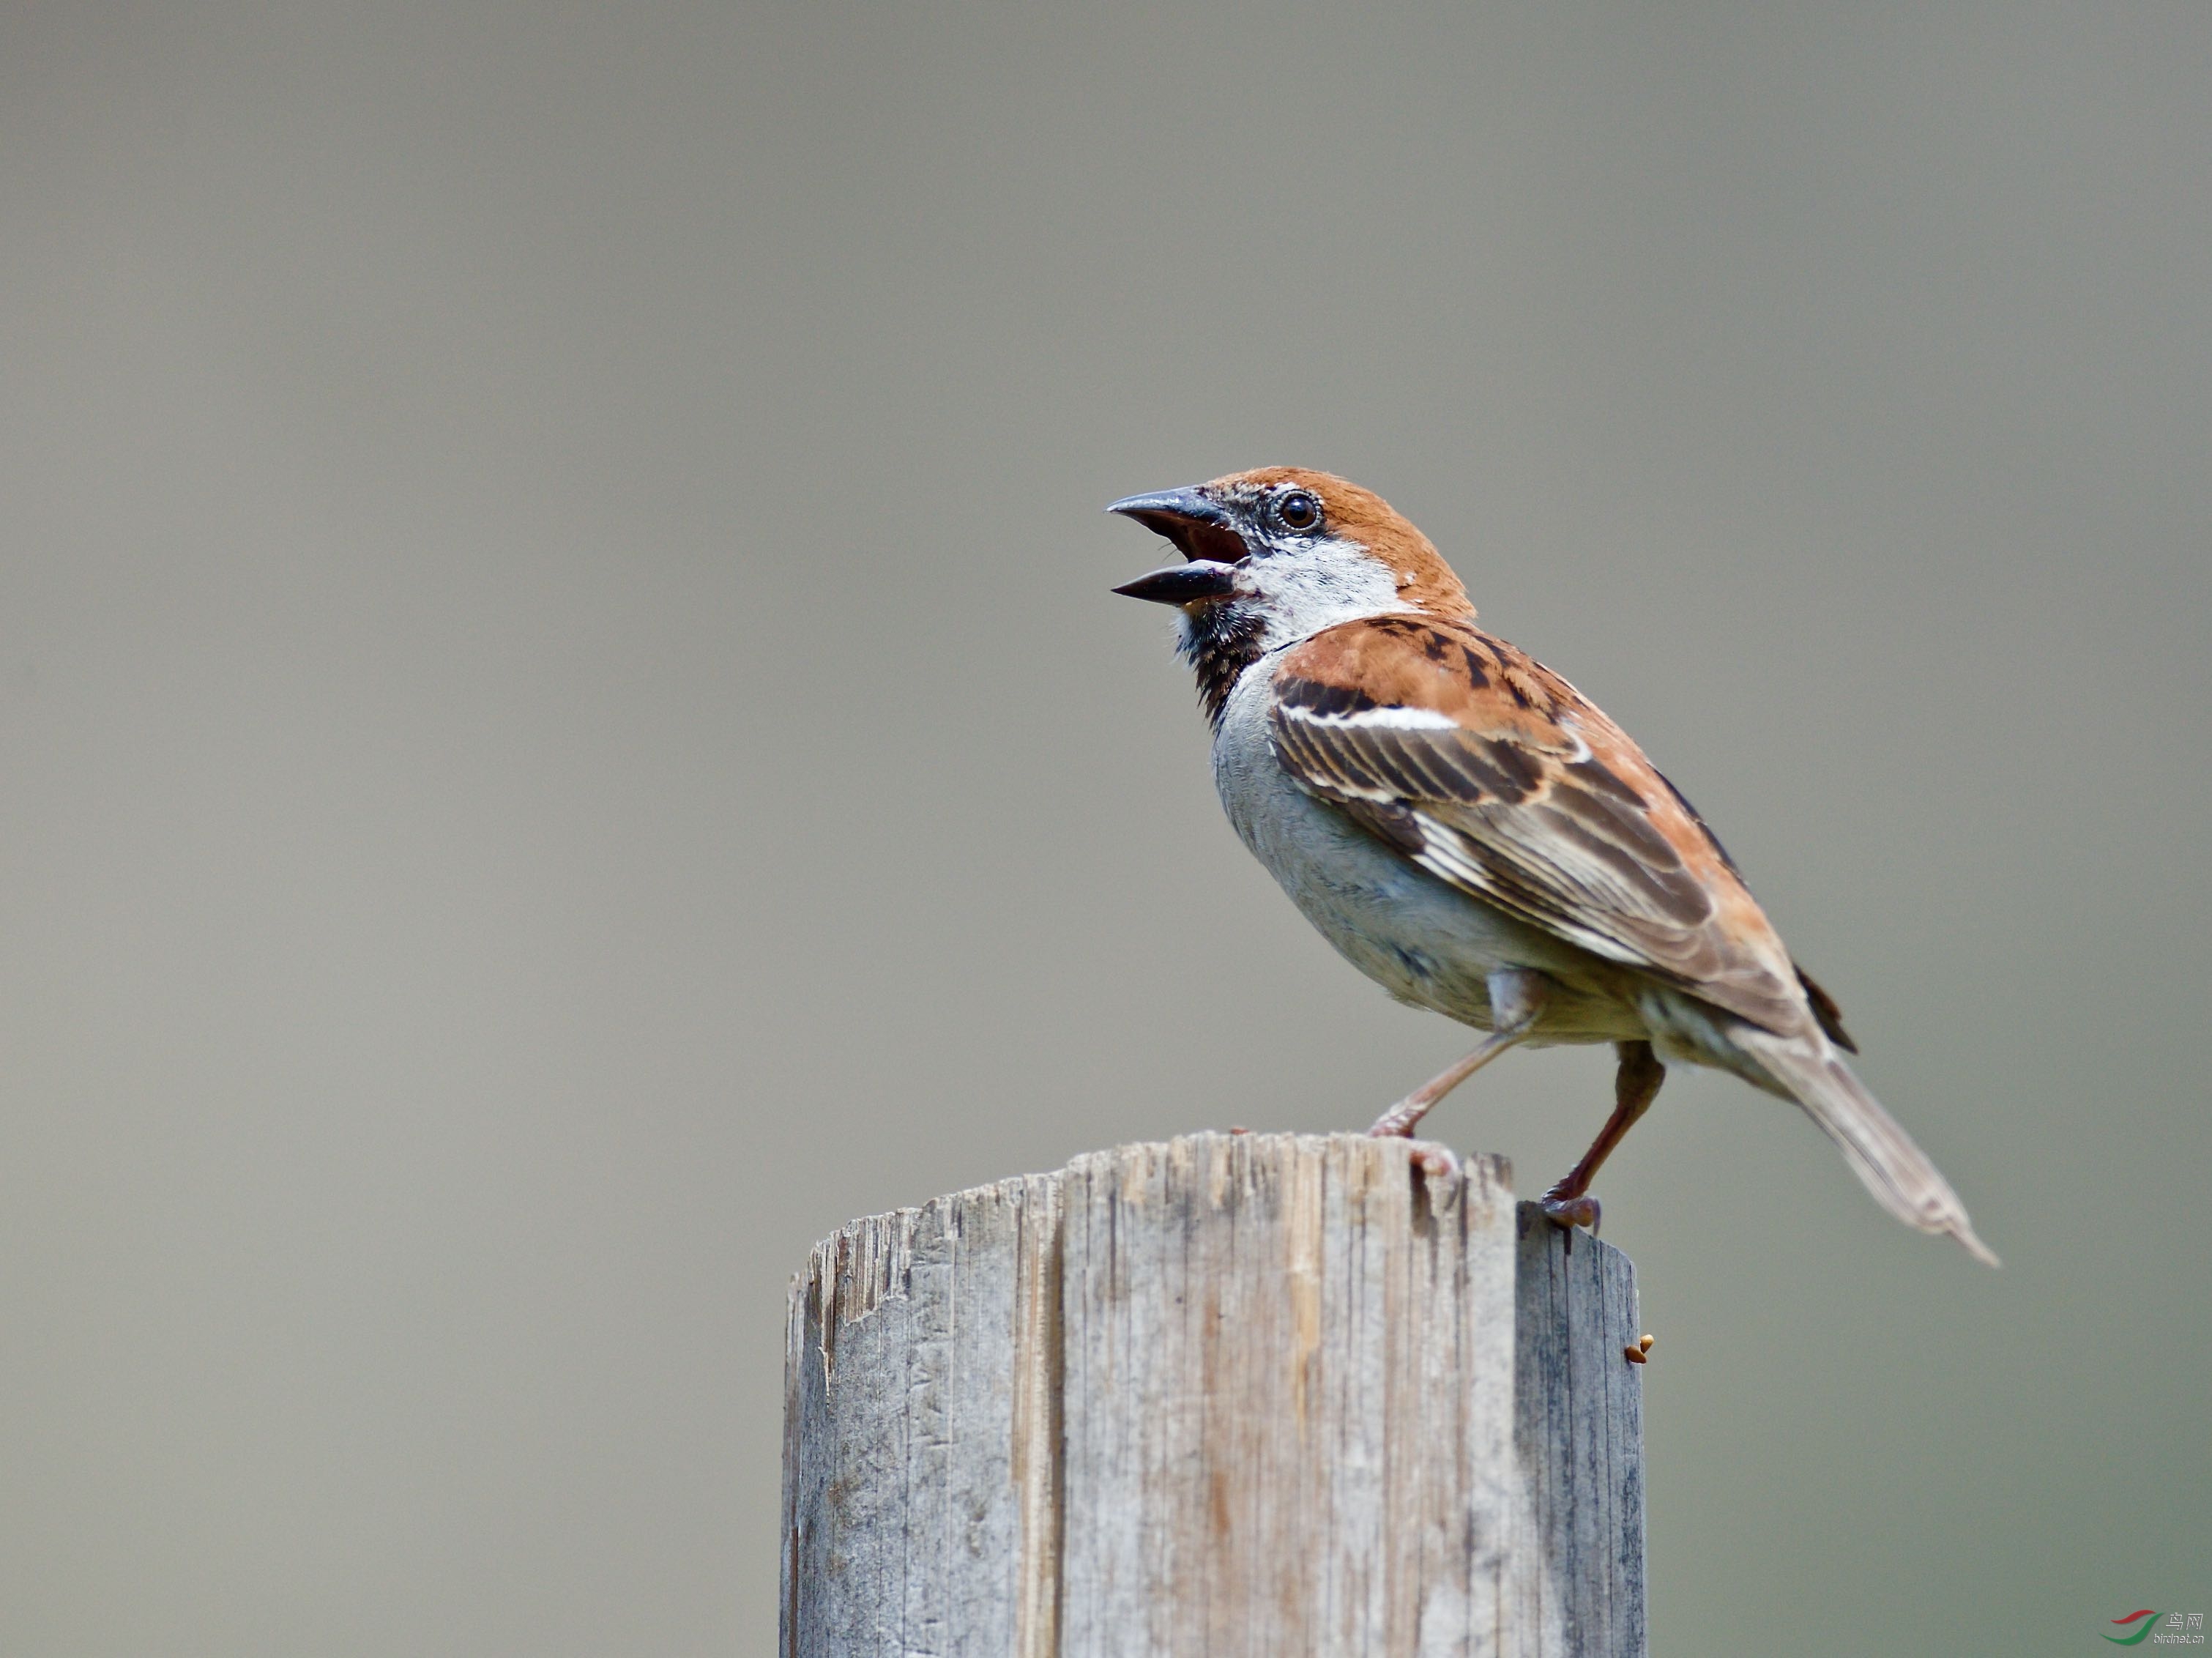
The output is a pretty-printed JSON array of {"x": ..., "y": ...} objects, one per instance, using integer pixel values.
[{"x": 562, "y": 731}]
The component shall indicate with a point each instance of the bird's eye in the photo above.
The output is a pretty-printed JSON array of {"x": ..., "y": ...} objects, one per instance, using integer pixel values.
[{"x": 1298, "y": 511}]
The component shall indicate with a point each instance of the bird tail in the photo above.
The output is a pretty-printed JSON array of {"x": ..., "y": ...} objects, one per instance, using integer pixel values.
[{"x": 1882, "y": 1154}]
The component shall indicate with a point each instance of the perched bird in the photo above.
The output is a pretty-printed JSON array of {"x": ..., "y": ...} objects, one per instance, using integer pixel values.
[{"x": 1471, "y": 833}]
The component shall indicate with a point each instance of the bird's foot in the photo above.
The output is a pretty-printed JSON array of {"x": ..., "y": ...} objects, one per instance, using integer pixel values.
[
  {"x": 1436, "y": 1170},
  {"x": 1568, "y": 1210},
  {"x": 1436, "y": 1161}
]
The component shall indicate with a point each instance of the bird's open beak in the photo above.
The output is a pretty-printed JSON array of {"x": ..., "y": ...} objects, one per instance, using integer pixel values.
[
  {"x": 1202, "y": 533},
  {"x": 1199, "y": 582}
]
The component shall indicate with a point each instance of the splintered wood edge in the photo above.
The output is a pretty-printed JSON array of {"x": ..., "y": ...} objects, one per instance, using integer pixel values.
[{"x": 849, "y": 1273}]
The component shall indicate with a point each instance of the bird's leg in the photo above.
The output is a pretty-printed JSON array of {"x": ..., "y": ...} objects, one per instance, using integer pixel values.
[
  {"x": 1400, "y": 1118},
  {"x": 1517, "y": 1002},
  {"x": 1635, "y": 1085}
]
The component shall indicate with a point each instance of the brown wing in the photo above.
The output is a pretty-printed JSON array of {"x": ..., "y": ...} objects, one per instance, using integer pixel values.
[{"x": 1494, "y": 774}]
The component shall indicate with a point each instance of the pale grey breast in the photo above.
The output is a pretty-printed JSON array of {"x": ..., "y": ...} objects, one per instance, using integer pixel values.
[{"x": 1423, "y": 941}]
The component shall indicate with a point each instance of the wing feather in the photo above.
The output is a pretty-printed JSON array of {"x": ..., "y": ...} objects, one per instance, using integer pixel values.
[{"x": 1528, "y": 797}]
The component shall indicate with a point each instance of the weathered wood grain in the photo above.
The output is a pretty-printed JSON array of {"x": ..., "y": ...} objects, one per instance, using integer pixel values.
[
  {"x": 921, "y": 1429},
  {"x": 1229, "y": 1396},
  {"x": 1579, "y": 1436}
]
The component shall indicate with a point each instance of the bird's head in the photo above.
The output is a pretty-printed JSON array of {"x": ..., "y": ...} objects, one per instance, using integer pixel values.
[{"x": 1275, "y": 554}]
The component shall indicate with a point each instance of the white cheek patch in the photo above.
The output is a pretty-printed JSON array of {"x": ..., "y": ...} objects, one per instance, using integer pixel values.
[{"x": 1320, "y": 585}]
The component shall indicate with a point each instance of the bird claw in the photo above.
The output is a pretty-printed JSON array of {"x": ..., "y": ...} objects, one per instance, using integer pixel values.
[
  {"x": 1568, "y": 1213},
  {"x": 1440, "y": 1166},
  {"x": 1436, "y": 1160}
]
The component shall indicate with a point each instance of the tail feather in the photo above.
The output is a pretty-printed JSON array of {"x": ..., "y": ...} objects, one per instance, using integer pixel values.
[{"x": 1882, "y": 1154}]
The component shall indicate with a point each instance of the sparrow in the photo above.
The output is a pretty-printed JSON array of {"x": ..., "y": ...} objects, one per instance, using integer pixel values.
[{"x": 1475, "y": 836}]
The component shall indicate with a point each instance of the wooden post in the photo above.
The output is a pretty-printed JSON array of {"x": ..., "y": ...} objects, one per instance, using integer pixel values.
[{"x": 1271, "y": 1394}]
